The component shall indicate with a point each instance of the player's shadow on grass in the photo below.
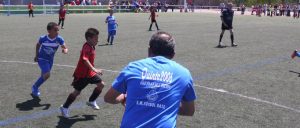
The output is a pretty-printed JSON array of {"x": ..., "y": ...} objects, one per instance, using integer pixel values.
[
  {"x": 31, "y": 104},
  {"x": 69, "y": 122},
  {"x": 100, "y": 45},
  {"x": 295, "y": 73}
]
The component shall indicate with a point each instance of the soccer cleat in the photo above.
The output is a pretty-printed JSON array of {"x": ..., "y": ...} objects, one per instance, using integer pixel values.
[
  {"x": 234, "y": 45},
  {"x": 35, "y": 91},
  {"x": 221, "y": 46},
  {"x": 64, "y": 111},
  {"x": 294, "y": 54},
  {"x": 93, "y": 104}
]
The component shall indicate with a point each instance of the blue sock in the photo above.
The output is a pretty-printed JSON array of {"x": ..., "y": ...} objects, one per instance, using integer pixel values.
[{"x": 39, "y": 82}]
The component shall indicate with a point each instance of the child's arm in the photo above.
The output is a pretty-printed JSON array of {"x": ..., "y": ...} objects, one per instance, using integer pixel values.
[
  {"x": 37, "y": 48},
  {"x": 91, "y": 67},
  {"x": 64, "y": 49}
]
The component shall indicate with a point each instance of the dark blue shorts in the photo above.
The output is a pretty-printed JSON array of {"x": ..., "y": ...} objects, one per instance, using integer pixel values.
[
  {"x": 112, "y": 32},
  {"x": 45, "y": 65}
]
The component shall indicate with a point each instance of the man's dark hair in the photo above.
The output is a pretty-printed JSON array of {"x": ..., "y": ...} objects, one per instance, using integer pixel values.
[
  {"x": 91, "y": 32},
  {"x": 162, "y": 44},
  {"x": 51, "y": 25}
]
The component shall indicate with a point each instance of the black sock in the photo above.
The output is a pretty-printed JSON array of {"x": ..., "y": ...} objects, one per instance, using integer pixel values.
[
  {"x": 220, "y": 39},
  {"x": 69, "y": 101},
  {"x": 150, "y": 26},
  {"x": 62, "y": 23},
  {"x": 95, "y": 94},
  {"x": 232, "y": 39},
  {"x": 156, "y": 26}
]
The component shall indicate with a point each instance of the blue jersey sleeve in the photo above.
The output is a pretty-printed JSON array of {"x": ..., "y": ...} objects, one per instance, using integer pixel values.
[
  {"x": 61, "y": 40},
  {"x": 40, "y": 40},
  {"x": 120, "y": 82},
  {"x": 189, "y": 94}
]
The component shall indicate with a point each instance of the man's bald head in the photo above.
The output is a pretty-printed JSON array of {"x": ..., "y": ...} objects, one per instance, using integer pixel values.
[{"x": 162, "y": 44}]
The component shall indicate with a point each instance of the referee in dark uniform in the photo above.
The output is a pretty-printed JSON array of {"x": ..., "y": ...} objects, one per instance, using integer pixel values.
[{"x": 227, "y": 19}]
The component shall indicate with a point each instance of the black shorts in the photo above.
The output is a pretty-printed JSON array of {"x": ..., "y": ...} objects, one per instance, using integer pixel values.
[
  {"x": 30, "y": 11},
  {"x": 80, "y": 83},
  {"x": 153, "y": 20},
  {"x": 227, "y": 27},
  {"x": 61, "y": 19}
]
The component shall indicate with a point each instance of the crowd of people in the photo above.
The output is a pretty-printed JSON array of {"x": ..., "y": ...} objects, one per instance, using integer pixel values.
[
  {"x": 277, "y": 10},
  {"x": 136, "y": 5}
]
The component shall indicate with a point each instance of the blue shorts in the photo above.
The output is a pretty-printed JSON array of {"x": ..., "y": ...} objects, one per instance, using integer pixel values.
[
  {"x": 45, "y": 65},
  {"x": 112, "y": 32}
]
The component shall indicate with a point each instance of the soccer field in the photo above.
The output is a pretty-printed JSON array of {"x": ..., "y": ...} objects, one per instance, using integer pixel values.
[{"x": 255, "y": 85}]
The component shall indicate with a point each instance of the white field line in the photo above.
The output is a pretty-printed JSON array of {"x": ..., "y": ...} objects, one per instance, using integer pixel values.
[{"x": 204, "y": 87}]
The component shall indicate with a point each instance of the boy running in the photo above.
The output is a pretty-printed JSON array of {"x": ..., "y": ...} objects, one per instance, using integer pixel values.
[
  {"x": 62, "y": 16},
  {"x": 111, "y": 27},
  {"x": 85, "y": 73},
  {"x": 30, "y": 9},
  {"x": 45, "y": 51},
  {"x": 153, "y": 18},
  {"x": 227, "y": 19}
]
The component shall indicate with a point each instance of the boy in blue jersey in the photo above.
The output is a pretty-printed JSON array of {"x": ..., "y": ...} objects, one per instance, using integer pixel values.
[
  {"x": 156, "y": 87},
  {"x": 45, "y": 51},
  {"x": 111, "y": 27}
]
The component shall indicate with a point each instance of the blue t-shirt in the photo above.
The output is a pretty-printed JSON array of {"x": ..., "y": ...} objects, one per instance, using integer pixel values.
[
  {"x": 49, "y": 47},
  {"x": 155, "y": 87},
  {"x": 111, "y": 23}
]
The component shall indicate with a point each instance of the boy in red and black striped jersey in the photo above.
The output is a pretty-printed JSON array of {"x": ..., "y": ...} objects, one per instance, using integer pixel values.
[
  {"x": 153, "y": 18},
  {"x": 62, "y": 15},
  {"x": 85, "y": 73}
]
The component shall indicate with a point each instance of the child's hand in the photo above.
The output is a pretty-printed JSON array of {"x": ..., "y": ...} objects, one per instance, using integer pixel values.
[
  {"x": 99, "y": 71},
  {"x": 65, "y": 51}
]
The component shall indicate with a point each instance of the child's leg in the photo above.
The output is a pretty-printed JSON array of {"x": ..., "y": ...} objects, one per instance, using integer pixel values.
[
  {"x": 150, "y": 28},
  {"x": 71, "y": 98},
  {"x": 45, "y": 66},
  {"x": 112, "y": 36},
  {"x": 59, "y": 21},
  {"x": 97, "y": 91},
  {"x": 78, "y": 85},
  {"x": 112, "y": 39},
  {"x": 156, "y": 25},
  {"x": 62, "y": 23}
]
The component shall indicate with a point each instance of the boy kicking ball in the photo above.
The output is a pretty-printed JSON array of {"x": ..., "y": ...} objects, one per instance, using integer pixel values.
[
  {"x": 111, "y": 27},
  {"x": 45, "y": 51},
  {"x": 85, "y": 73}
]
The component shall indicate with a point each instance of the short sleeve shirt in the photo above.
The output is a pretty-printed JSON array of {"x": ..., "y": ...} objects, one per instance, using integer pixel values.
[
  {"x": 49, "y": 47},
  {"x": 87, "y": 53},
  {"x": 155, "y": 87}
]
